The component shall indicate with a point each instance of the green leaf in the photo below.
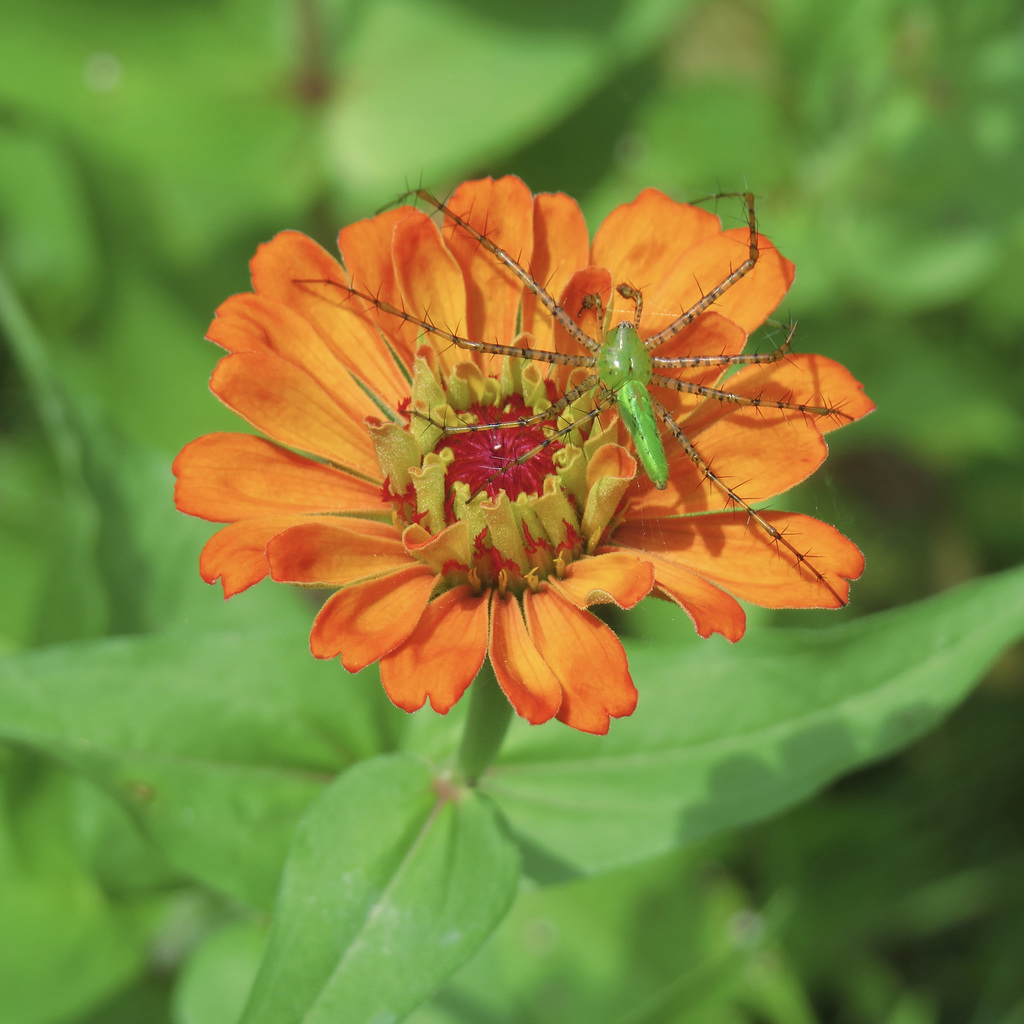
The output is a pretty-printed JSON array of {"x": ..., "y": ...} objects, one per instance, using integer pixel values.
[
  {"x": 470, "y": 110},
  {"x": 217, "y": 978},
  {"x": 394, "y": 879},
  {"x": 728, "y": 735},
  {"x": 67, "y": 945},
  {"x": 113, "y": 542},
  {"x": 215, "y": 742},
  {"x": 621, "y": 947},
  {"x": 49, "y": 240}
]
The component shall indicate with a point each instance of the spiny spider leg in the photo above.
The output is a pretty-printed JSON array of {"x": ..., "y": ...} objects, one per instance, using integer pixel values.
[
  {"x": 776, "y": 535},
  {"x": 490, "y": 348},
  {"x": 694, "y": 362},
  {"x": 720, "y": 289},
  {"x": 751, "y": 400},
  {"x": 543, "y": 296}
]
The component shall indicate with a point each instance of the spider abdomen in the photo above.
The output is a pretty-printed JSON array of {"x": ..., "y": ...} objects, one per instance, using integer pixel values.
[{"x": 624, "y": 367}]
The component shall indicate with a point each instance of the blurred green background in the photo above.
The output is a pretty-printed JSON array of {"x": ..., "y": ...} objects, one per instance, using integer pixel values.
[{"x": 145, "y": 151}]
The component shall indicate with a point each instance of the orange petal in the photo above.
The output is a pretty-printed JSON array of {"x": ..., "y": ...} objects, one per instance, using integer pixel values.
[
  {"x": 366, "y": 248},
  {"x": 760, "y": 454},
  {"x": 226, "y": 477},
  {"x": 253, "y": 323},
  {"x": 757, "y": 452},
  {"x": 431, "y": 283},
  {"x": 709, "y": 335},
  {"x": 560, "y": 247},
  {"x": 731, "y": 550},
  {"x": 502, "y": 211},
  {"x": 617, "y": 577},
  {"x": 237, "y": 555},
  {"x": 640, "y": 241},
  {"x": 335, "y": 552},
  {"x": 290, "y": 406},
  {"x": 367, "y": 620},
  {"x": 586, "y": 658},
  {"x": 522, "y": 672},
  {"x": 710, "y": 608},
  {"x": 296, "y": 271},
  {"x": 442, "y": 654},
  {"x": 802, "y": 379},
  {"x": 697, "y": 271}
]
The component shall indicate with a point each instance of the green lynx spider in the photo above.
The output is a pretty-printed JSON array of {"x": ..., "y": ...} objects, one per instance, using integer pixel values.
[{"x": 624, "y": 367}]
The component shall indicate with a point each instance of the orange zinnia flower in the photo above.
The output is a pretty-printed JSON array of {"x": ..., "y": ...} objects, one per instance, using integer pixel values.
[{"x": 446, "y": 548}]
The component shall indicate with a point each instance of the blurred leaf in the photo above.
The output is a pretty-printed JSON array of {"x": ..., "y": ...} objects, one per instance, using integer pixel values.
[
  {"x": 150, "y": 364},
  {"x": 47, "y": 240},
  {"x": 113, "y": 544},
  {"x": 359, "y": 95},
  {"x": 754, "y": 148},
  {"x": 726, "y": 735},
  {"x": 111, "y": 76},
  {"x": 66, "y": 944},
  {"x": 81, "y": 607},
  {"x": 215, "y": 982},
  {"x": 28, "y": 506},
  {"x": 215, "y": 742},
  {"x": 404, "y": 113},
  {"x": 674, "y": 941},
  {"x": 393, "y": 880}
]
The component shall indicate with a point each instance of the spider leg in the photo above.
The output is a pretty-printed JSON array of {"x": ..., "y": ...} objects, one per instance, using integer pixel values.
[
  {"x": 694, "y": 362},
  {"x": 720, "y": 395},
  {"x": 777, "y": 537},
  {"x": 709, "y": 298},
  {"x": 543, "y": 296}
]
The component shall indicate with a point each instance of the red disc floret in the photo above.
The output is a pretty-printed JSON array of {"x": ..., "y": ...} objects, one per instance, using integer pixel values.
[{"x": 513, "y": 459}]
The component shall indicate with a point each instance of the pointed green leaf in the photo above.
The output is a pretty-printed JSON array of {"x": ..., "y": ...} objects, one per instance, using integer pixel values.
[
  {"x": 394, "y": 879},
  {"x": 727, "y": 735},
  {"x": 215, "y": 742}
]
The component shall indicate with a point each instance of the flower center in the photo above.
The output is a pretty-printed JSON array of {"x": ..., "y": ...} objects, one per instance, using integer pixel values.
[
  {"x": 499, "y": 506},
  {"x": 511, "y": 459}
]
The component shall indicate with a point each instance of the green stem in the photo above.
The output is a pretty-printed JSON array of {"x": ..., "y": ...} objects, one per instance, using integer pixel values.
[{"x": 489, "y": 715}]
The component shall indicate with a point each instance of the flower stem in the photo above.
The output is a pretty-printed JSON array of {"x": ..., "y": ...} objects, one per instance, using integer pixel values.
[{"x": 489, "y": 715}]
